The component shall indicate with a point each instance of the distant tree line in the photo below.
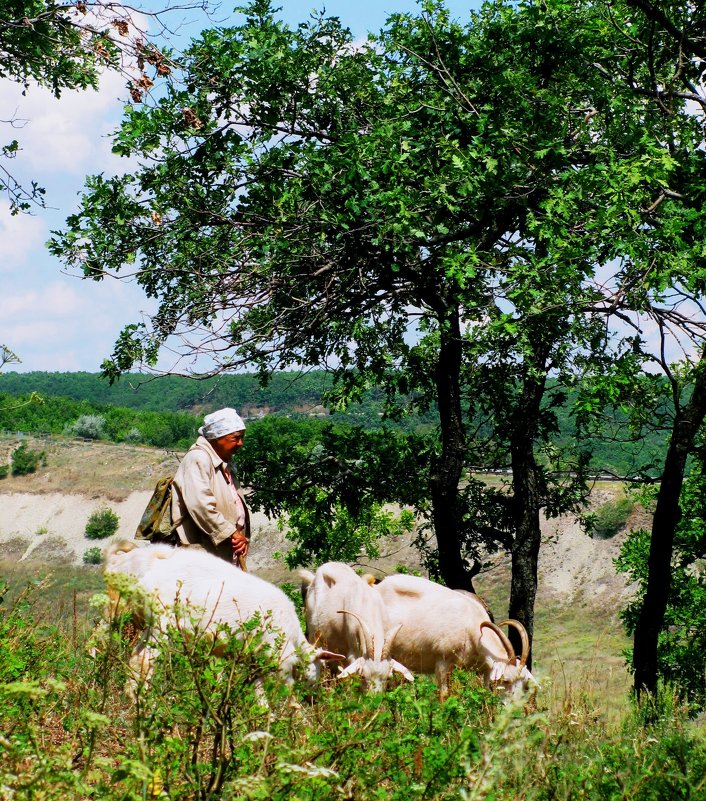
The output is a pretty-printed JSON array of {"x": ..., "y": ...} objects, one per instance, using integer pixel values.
[
  {"x": 299, "y": 394},
  {"x": 59, "y": 415},
  {"x": 175, "y": 393},
  {"x": 166, "y": 412}
]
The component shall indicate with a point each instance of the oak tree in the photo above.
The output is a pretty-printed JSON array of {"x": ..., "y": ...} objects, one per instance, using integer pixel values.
[{"x": 425, "y": 212}]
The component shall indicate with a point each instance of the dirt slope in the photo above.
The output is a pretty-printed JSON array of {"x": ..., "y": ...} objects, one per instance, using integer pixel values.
[{"x": 47, "y": 512}]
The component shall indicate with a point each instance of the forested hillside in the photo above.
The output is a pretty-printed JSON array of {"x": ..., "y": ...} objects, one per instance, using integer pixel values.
[
  {"x": 166, "y": 411},
  {"x": 291, "y": 393},
  {"x": 285, "y": 391}
]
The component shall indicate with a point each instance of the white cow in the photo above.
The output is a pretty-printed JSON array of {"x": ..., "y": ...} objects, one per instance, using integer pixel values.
[
  {"x": 346, "y": 615},
  {"x": 437, "y": 628},
  {"x": 201, "y": 592}
]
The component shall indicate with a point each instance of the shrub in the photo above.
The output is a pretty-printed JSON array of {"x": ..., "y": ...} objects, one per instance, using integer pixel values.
[
  {"x": 102, "y": 524},
  {"x": 24, "y": 460},
  {"x": 93, "y": 556},
  {"x": 133, "y": 435},
  {"x": 4, "y": 470},
  {"x": 91, "y": 426},
  {"x": 610, "y": 518}
]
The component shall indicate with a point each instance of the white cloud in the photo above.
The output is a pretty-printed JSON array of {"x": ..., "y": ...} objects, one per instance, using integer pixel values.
[
  {"x": 56, "y": 322},
  {"x": 67, "y": 324},
  {"x": 69, "y": 135},
  {"x": 31, "y": 333},
  {"x": 55, "y": 301},
  {"x": 19, "y": 236}
]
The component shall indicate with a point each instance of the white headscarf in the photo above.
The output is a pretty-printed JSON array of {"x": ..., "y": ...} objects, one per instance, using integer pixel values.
[{"x": 218, "y": 424}]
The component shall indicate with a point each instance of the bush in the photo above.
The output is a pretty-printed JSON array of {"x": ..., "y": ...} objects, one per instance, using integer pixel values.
[
  {"x": 4, "y": 470},
  {"x": 24, "y": 460},
  {"x": 93, "y": 556},
  {"x": 90, "y": 426},
  {"x": 610, "y": 518},
  {"x": 133, "y": 435},
  {"x": 102, "y": 524},
  {"x": 681, "y": 645}
]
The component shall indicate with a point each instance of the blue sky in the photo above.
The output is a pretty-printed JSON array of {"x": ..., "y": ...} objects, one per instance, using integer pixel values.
[{"x": 56, "y": 321}]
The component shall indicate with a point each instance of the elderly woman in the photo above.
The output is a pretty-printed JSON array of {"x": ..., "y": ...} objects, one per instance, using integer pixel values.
[{"x": 208, "y": 507}]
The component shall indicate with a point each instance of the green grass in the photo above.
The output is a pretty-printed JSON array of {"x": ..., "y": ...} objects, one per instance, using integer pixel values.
[
  {"x": 68, "y": 731},
  {"x": 58, "y": 595},
  {"x": 576, "y": 643},
  {"x": 577, "y": 650}
]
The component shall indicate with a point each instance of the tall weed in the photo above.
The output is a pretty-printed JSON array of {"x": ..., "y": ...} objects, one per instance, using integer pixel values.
[{"x": 200, "y": 730}]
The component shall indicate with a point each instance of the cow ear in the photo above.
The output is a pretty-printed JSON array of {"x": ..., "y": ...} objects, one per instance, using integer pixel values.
[
  {"x": 306, "y": 577},
  {"x": 355, "y": 668},
  {"x": 400, "y": 668},
  {"x": 329, "y": 656},
  {"x": 497, "y": 671}
]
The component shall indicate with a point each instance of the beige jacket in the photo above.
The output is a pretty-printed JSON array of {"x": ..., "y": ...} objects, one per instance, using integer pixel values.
[{"x": 203, "y": 501}]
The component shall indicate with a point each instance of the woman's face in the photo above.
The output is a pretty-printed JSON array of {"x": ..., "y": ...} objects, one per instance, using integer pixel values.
[{"x": 228, "y": 444}]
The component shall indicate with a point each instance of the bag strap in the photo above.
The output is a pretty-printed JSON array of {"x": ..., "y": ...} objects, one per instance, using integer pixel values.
[{"x": 175, "y": 525}]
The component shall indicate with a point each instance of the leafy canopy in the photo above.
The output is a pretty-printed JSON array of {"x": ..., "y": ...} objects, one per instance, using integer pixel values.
[{"x": 425, "y": 211}]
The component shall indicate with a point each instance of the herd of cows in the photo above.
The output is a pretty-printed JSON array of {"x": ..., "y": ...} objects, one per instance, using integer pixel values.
[{"x": 399, "y": 626}]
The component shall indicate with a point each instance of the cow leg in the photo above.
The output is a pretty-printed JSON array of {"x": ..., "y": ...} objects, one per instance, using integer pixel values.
[
  {"x": 441, "y": 672},
  {"x": 141, "y": 665}
]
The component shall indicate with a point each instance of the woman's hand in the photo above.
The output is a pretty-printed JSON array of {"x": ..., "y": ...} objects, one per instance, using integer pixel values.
[{"x": 240, "y": 544}]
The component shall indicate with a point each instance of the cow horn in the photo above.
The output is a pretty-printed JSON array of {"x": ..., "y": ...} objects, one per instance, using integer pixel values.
[
  {"x": 356, "y": 668},
  {"x": 523, "y": 636},
  {"x": 389, "y": 640},
  {"x": 503, "y": 639},
  {"x": 367, "y": 641}
]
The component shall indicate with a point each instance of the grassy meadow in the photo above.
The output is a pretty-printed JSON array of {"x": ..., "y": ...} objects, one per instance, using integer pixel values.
[{"x": 69, "y": 731}]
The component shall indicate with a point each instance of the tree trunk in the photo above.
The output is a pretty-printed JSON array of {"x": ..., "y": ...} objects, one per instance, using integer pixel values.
[
  {"x": 527, "y": 497},
  {"x": 447, "y": 468},
  {"x": 666, "y": 518},
  {"x": 525, "y": 549}
]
